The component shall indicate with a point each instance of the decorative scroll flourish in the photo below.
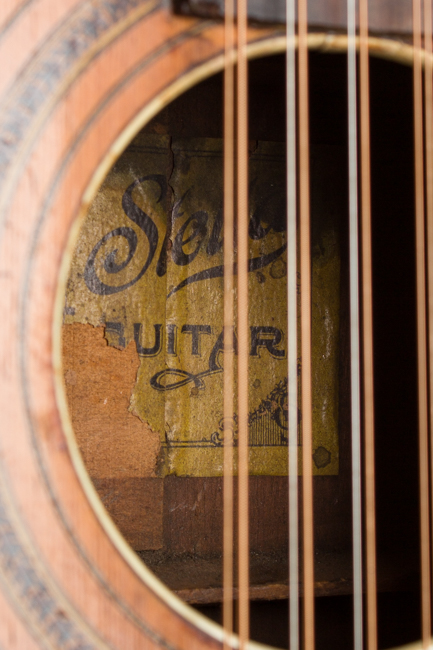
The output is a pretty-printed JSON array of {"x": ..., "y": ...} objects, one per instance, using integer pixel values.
[
  {"x": 254, "y": 264},
  {"x": 185, "y": 377},
  {"x": 144, "y": 222}
]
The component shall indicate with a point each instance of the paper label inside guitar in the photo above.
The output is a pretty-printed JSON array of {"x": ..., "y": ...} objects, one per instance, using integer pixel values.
[{"x": 148, "y": 266}]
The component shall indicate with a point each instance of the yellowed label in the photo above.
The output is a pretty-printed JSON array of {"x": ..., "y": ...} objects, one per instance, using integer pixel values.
[{"x": 149, "y": 265}]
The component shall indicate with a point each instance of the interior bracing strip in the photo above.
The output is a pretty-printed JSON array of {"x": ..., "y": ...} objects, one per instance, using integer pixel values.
[
  {"x": 421, "y": 327},
  {"x": 370, "y": 514},
  {"x": 305, "y": 268},
  {"x": 228, "y": 322},
  {"x": 243, "y": 338},
  {"x": 354, "y": 326},
  {"x": 292, "y": 328}
]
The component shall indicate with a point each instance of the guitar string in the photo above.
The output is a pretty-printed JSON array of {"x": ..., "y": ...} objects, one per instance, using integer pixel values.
[
  {"x": 228, "y": 426},
  {"x": 354, "y": 326},
  {"x": 428, "y": 103},
  {"x": 242, "y": 298},
  {"x": 369, "y": 472},
  {"x": 292, "y": 327},
  {"x": 421, "y": 326},
  {"x": 305, "y": 269}
]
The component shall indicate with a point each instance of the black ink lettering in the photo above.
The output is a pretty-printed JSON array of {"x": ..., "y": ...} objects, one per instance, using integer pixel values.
[
  {"x": 268, "y": 215},
  {"x": 271, "y": 210},
  {"x": 172, "y": 339},
  {"x": 161, "y": 266},
  {"x": 196, "y": 331},
  {"x": 266, "y": 337},
  {"x": 148, "y": 352},
  {"x": 118, "y": 329},
  {"x": 215, "y": 243},
  {"x": 182, "y": 378},
  {"x": 255, "y": 228},
  {"x": 161, "y": 380},
  {"x": 214, "y": 362},
  {"x": 144, "y": 222},
  {"x": 254, "y": 264},
  {"x": 198, "y": 221}
]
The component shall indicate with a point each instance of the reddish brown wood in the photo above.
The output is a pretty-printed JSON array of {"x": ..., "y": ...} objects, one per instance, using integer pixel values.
[
  {"x": 135, "y": 505},
  {"x": 99, "y": 380},
  {"x": 199, "y": 581}
]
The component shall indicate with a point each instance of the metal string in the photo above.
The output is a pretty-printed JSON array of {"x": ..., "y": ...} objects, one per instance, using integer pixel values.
[
  {"x": 421, "y": 326},
  {"x": 354, "y": 327},
  {"x": 243, "y": 331},
  {"x": 370, "y": 515},
  {"x": 292, "y": 328},
  {"x": 228, "y": 321},
  {"x": 305, "y": 267},
  {"x": 428, "y": 101}
]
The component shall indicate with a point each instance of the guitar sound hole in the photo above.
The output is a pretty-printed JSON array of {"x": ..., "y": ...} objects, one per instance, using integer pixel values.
[{"x": 142, "y": 348}]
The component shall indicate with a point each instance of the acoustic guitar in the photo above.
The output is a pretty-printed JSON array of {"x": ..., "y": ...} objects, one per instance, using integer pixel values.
[{"x": 173, "y": 172}]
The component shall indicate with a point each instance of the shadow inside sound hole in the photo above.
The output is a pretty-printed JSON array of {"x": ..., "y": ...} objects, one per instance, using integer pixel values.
[{"x": 398, "y": 612}]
